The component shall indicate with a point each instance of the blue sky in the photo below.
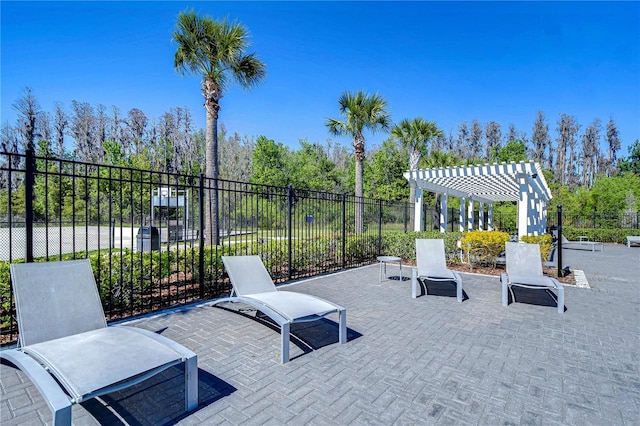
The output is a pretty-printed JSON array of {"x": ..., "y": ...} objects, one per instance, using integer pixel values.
[{"x": 445, "y": 61}]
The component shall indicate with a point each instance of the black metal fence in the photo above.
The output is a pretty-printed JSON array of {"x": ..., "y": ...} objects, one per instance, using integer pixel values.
[
  {"x": 601, "y": 220},
  {"x": 145, "y": 231}
]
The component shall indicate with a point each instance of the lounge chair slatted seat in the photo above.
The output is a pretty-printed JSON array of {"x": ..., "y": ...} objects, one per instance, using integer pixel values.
[
  {"x": 582, "y": 244},
  {"x": 64, "y": 335},
  {"x": 524, "y": 269},
  {"x": 252, "y": 285},
  {"x": 432, "y": 266}
]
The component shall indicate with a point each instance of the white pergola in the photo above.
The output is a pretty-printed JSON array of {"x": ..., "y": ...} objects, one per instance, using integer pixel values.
[{"x": 521, "y": 182}]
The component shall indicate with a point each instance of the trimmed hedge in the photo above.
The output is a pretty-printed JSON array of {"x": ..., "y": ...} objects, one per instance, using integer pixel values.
[
  {"x": 404, "y": 244},
  {"x": 612, "y": 235},
  {"x": 484, "y": 247}
]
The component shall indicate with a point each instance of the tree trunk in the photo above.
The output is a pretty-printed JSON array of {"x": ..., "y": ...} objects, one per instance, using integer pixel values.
[
  {"x": 358, "y": 145},
  {"x": 414, "y": 161},
  {"x": 210, "y": 92}
]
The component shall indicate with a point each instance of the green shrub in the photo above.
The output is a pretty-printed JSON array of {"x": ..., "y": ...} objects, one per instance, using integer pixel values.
[
  {"x": 404, "y": 244},
  {"x": 605, "y": 235},
  {"x": 484, "y": 247},
  {"x": 544, "y": 241}
]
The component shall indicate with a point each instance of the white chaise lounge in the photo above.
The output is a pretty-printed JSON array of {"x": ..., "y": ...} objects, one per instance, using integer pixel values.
[
  {"x": 432, "y": 266},
  {"x": 633, "y": 240},
  {"x": 582, "y": 244},
  {"x": 66, "y": 348},
  {"x": 252, "y": 285},
  {"x": 524, "y": 269}
]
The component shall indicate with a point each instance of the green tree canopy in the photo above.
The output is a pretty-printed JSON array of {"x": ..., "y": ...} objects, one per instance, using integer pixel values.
[
  {"x": 385, "y": 177},
  {"x": 631, "y": 164},
  {"x": 514, "y": 150},
  {"x": 311, "y": 168},
  {"x": 270, "y": 163}
]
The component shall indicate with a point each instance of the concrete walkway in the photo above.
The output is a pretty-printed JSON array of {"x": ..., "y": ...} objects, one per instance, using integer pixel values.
[{"x": 428, "y": 360}]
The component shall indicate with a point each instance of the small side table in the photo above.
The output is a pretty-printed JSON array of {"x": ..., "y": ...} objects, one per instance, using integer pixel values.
[{"x": 383, "y": 260}]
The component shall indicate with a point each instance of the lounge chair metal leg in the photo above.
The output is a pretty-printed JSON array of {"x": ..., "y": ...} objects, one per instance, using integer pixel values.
[
  {"x": 62, "y": 417},
  {"x": 284, "y": 335},
  {"x": 459, "y": 291},
  {"x": 505, "y": 289},
  {"x": 56, "y": 399},
  {"x": 414, "y": 283},
  {"x": 191, "y": 383},
  {"x": 342, "y": 334},
  {"x": 561, "y": 299}
]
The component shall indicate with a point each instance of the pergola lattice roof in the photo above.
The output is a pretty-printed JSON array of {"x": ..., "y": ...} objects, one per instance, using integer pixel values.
[{"x": 485, "y": 183}]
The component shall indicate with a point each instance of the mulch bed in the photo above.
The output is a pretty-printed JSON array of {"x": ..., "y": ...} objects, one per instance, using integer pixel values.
[{"x": 550, "y": 272}]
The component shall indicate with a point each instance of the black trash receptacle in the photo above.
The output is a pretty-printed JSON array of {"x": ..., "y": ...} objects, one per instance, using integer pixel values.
[{"x": 148, "y": 238}]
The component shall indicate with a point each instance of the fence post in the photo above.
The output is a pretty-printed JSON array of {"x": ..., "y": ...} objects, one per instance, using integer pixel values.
[
  {"x": 379, "y": 227},
  {"x": 559, "y": 242},
  {"x": 344, "y": 229},
  {"x": 201, "y": 225},
  {"x": 290, "y": 229},
  {"x": 451, "y": 216},
  {"x": 28, "y": 203},
  {"x": 404, "y": 216}
]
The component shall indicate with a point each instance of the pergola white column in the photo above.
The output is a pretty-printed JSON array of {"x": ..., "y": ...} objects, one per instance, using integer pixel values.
[
  {"x": 523, "y": 206},
  {"x": 443, "y": 213},
  {"x": 470, "y": 215},
  {"x": 481, "y": 215},
  {"x": 461, "y": 214},
  {"x": 417, "y": 206}
]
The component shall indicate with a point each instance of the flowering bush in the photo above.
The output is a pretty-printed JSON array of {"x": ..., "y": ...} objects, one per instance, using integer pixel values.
[{"x": 484, "y": 247}]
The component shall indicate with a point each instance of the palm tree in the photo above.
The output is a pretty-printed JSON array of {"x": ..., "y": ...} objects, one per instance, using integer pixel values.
[
  {"x": 216, "y": 50},
  {"x": 360, "y": 111},
  {"x": 414, "y": 135}
]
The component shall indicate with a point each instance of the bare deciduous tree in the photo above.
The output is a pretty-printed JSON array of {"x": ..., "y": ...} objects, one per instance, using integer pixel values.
[
  {"x": 540, "y": 138},
  {"x": 235, "y": 157},
  {"x": 83, "y": 130},
  {"x": 463, "y": 138},
  {"x": 475, "y": 139},
  {"x": 28, "y": 110},
  {"x": 493, "y": 135},
  {"x": 60, "y": 123},
  {"x": 567, "y": 131},
  {"x": 613, "y": 141},
  {"x": 137, "y": 125},
  {"x": 590, "y": 152},
  {"x": 9, "y": 142}
]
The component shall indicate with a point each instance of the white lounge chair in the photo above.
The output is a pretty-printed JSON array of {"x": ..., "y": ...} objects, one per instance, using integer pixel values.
[
  {"x": 252, "y": 285},
  {"x": 432, "y": 266},
  {"x": 66, "y": 348},
  {"x": 582, "y": 244},
  {"x": 633, "y": 240},
  {"x": 524, "y": 269}
]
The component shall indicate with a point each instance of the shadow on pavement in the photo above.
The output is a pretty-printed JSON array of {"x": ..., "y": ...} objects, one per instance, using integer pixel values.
[{"x": 156, "y": 401}]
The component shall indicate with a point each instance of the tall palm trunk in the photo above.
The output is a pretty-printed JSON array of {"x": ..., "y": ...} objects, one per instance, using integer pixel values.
[
  {"x": 211, "y": 93},
  {"x": 414, "y": 161},
  {"x": 358, "y": 146}
]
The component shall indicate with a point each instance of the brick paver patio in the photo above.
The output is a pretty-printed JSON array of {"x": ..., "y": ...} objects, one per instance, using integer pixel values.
[{"x": 428, "y": 360}]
